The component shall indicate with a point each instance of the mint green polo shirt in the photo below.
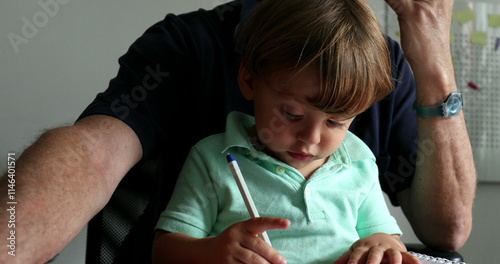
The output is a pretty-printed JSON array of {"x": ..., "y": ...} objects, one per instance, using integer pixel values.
[{"x": 341, "y": 202}]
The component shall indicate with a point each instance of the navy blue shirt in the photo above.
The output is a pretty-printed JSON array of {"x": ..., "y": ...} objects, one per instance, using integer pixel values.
[{"x": 178, "y": 81}]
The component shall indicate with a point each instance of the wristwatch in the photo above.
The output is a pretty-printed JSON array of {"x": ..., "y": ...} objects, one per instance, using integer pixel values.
[{"x": 449, "y": 108}]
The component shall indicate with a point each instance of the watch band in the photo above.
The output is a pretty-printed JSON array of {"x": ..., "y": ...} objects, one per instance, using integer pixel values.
[
  {"x": 449, "y": 108},
  {"x": 429, "y": 111}
]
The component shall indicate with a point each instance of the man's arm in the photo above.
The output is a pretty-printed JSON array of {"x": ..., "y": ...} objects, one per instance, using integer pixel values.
[
  {"x": 62, "y": 181},
  {"x": 439, "y": 202}
]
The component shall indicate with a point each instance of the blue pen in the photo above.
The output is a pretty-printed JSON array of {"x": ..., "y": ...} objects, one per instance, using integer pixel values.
[{"x": 242, "y": 186}]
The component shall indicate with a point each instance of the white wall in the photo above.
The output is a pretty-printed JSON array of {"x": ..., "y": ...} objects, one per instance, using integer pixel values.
[{"x": 71, "y": 55}]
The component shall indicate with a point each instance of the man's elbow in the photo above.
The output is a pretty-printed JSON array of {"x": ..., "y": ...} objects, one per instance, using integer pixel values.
[{"x": 451, "y": 237}]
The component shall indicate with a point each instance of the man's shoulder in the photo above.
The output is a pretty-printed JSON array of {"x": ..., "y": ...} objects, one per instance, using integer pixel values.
[{"x": 223, "y": 15}]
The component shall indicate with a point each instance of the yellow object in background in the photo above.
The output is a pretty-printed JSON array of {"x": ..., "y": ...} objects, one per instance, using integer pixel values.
[
  {"x": 479, "y": 38},
  {"x": 465, "y": 15},
  {"x": 493, "y": 20}
]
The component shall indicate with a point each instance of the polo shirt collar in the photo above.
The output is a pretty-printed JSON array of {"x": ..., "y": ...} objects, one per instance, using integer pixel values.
[{"x": 236, "y": 131}]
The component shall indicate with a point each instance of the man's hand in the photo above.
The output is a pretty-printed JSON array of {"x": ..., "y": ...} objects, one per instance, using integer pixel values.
[
  {"x": 378, "y": 248},
  {"x": 425, "y": 38}
]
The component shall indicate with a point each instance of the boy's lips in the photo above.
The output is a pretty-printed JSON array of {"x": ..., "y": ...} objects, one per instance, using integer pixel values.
[{"x": 300, "y": 156}]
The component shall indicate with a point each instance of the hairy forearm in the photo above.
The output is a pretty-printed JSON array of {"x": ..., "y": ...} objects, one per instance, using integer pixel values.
[
  {"x": 443, "y": 190},
  {"x": 62, "y": 180},
  {"x": 439, "y": 202},
  {"x": 48, "y": 175}
]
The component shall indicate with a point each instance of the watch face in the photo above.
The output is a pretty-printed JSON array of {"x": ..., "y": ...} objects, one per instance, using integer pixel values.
[{"x": 454, "y": 104}]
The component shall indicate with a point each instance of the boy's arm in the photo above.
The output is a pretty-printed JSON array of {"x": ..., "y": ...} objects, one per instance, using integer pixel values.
[
  {"x": 237, "y": 244},
  {"x": 61, "y": 182}
]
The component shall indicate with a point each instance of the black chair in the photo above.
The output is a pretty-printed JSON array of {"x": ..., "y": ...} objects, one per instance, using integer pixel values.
[{"x": 123, "y": 231}]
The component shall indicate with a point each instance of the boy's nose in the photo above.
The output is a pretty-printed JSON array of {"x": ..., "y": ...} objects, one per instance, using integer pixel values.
[{"x": 309, "y": 134}]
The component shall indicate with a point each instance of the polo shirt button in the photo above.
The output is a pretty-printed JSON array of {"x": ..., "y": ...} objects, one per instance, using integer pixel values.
[
  {"x": 308, "y": 191},
  {"x": 280, "y": 170}
]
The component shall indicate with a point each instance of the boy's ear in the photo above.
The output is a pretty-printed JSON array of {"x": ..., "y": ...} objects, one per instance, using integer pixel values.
[{"x": 245, "y": 81}]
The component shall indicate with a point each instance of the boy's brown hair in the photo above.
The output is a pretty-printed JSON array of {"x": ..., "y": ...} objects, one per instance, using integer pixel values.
[{"x": 342, "y": 38}]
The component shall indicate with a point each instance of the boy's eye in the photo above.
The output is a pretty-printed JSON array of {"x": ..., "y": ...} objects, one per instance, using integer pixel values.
[
  {"x": 290, "y": 115},
  {"x": 336, "y": 124}
]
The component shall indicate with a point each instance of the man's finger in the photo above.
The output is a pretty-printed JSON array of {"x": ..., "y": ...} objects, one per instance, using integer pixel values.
[{"x": 397, "y": 5}]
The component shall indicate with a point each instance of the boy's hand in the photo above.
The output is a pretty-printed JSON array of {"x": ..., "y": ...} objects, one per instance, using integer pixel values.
[
  {"x": 378, "y": 248},
  {"x": 239, "y": 243}
]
